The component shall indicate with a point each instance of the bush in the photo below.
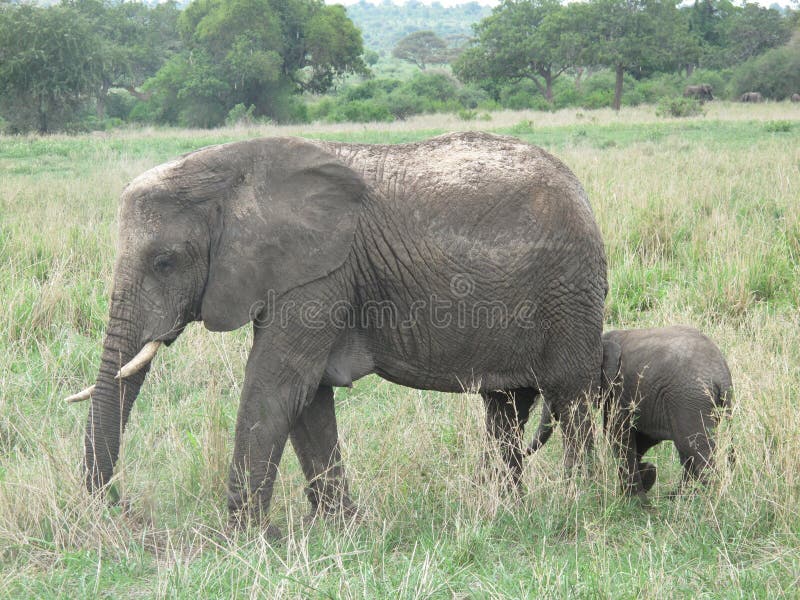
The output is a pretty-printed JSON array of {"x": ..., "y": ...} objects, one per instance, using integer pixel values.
[
  {"x": 471, "y": 96},
  {"x": 403, "y": 104},
  {"x": 565, "y": 93},
  {"x": 776, "y": 73},
  {"x": 778, "y": 126},
  {"x": 467, "y": 115},
  {"x": 598, "y": 99},
  {"x": 679, "y": 107},
  {"x": 434, "y": 85},
  {"x": 320, "y": 110},
  {"x": 363, "y": 111},
  {"x": 371, "y": 88},
  {"x": 520, "y": 95},
  {"x": 241, "y": 115},
  {"x": 119, "y": 105},
  {"x": 661, "y": 86}
]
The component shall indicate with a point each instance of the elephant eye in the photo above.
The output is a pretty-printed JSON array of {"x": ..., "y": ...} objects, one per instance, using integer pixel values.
[{"x": 164, "y": 262}]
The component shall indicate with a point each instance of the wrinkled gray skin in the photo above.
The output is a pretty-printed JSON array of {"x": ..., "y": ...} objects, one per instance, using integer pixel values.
[
  {"x": 795, "y": 97},
  {"x": 751, "y": 97},
  {"x": 672, "y": 381},
  {"x": 311, "y": 241},
  {"x": 700, "y": 92}
]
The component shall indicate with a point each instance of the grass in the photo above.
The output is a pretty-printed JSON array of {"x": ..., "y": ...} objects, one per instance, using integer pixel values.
[{"x": 700, "y": 218}]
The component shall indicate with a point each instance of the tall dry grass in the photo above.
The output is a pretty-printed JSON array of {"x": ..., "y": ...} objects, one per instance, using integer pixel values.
[{"x": 699, "y": 230}]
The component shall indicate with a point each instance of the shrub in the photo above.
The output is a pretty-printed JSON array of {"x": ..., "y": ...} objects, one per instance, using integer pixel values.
[
  {"x": 472, "y": 97},
  {"x": 371, "y": 88},
  {"x": 679, "y": 107},
  {"x": 403, "y": 104},
  {"x": 776, "y": 73},
  {"x": 565, "y": 93},
  {"x": 778, "y": 126},
  {"x": 598, "y": 99},
  {"x": 363, "y": 111},
  {"x": 435, "y": 85},
  {"x": 661, "y": 86},
  {"x": 241, "y": 114}
]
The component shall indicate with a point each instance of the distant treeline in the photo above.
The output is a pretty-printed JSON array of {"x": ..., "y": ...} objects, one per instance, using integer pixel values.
[
  {"x": 384, "y": 24},
  {"x": 87, "y": 64}
]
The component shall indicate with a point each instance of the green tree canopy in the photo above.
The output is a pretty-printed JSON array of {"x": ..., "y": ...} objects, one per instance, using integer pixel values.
[
  {"x": 50, "y": 62},
  {"x": 731, "y": 34},
  {"x": 630, "y": 35},
  {"x": 256, "y": 53},
  {"x": 521, "y": 39},
  {"x": 136, "y": 40},
  {"x": 422, "y": 48}
]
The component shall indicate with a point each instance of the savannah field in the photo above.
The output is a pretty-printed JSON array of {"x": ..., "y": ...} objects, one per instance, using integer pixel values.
[{"x": 701, "y": 219}]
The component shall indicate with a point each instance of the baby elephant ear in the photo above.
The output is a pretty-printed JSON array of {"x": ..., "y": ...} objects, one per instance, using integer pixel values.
[
  {"x": 289, "y": 218},
  {"x": 612, "y": 358}
]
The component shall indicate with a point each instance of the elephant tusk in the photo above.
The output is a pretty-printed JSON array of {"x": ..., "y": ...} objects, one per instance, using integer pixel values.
[
  {"x": 82, "y": 395},
  {"x": 135, "y": 365}
]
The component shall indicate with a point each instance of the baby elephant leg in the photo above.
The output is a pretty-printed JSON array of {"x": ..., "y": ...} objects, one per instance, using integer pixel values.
[
  {"x": 696, "y": 452},
  {"x": 648, "y": 473},
  {"x": 646, "y": 470}
]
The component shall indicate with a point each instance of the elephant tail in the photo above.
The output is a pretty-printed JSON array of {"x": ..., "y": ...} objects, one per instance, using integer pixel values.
[{"x": 723, "y": 399}]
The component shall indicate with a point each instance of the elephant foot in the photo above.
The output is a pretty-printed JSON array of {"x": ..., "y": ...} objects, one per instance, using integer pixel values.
[
  {"x": 339, "y": 509},
  {"x": 239, "y": 523},
  {"x": 345, "y": 516},
  {"x": 648, "y": 473}
]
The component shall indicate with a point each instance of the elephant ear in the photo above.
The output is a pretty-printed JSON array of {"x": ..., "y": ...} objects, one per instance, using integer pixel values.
[
  {"x": 612, "y": 362},
  {"x": 289, "y": 218}
]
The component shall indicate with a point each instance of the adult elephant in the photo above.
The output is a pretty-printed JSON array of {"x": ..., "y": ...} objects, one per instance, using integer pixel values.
[
  {"x": 469, "y": 261},
  {"x": 701, "y": 92},
  {"x": 795, "y": 97},
  {"x": 751, "y": 97}
]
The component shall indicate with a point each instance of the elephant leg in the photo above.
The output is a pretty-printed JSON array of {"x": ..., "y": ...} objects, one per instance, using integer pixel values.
[
  {"x": 546, "y": 424},
  {"x": 570, "y": 402},
  {"x": 275, "y": 392},
  {"x": 648, "y": 474},
  {"x": 316, "y": 442},
  {"x": 506, "y": 415},
  {"x": 647, "y": 470},
  {"x": 696, "y": 453},
  {"x": 623, "y": 441}
]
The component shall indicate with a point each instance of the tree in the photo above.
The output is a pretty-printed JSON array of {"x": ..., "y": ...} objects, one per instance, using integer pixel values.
[
  {"x": 422, "y": 48},
  {"x": 256, "y": 53},
  {"x": 629, "y": 35},
  {"x": 49, "y": 64},
  {"x": 753, "y": 29},
  {"x": 521, "y": 39},
  {"x": 732, "y": 34},
  {"x": 137, "y": 40}
]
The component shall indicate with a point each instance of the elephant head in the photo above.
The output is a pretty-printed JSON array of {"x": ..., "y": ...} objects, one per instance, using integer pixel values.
[{"x": 204, "y": 238}]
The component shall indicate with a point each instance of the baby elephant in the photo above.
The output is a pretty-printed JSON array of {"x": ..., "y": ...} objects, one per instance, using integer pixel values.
[{"x": 666, "y": 383}]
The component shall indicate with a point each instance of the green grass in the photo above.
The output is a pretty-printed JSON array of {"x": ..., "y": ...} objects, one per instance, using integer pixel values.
[{"x": 702, "y": 226}]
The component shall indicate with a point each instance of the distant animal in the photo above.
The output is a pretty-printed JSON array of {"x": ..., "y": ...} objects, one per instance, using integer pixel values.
[
  {"x": 751, "y": 97},
  {"x": 795, "y": 97},
  {"x": 659, "y": 384},
  {"x": 700, "y": 92}
]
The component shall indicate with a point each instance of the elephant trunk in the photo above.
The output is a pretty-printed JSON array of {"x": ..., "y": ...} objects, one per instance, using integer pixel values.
[{"x": 111, "y": 399}]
